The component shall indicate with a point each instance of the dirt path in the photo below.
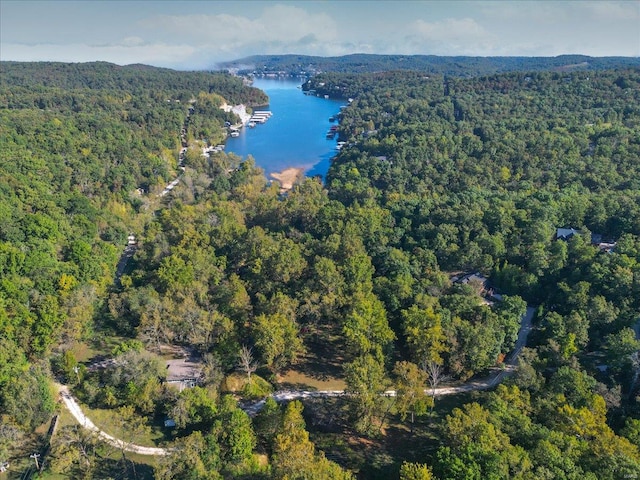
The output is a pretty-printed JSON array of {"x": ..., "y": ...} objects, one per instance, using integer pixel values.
[
  {"x": 288, "y": 395},
  {"x": 68, "y": 400},
  {"x": 83, "y": 420},
  {"x": 470, "y": 386}
]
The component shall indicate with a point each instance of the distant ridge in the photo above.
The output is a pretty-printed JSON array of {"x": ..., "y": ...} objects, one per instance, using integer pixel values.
[
  {"x": 89, "y": 74},
  {"x": 135, "y": 78},
  {"x": 458, "y": 66}
]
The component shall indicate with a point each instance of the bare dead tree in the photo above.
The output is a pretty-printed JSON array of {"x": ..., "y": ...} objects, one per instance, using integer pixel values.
[
  {"x": 435, "y": 376},
  {"x": 246, "y": 361}
]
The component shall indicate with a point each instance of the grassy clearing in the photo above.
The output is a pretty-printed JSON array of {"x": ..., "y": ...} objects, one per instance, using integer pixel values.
[
  {"x": 109, "y": 421},
  {"x": 112, "y": 465},
  {"x": 237, "y": 383},
  {"x": 321, "y": 366},
  {"x": 379, "y": 457},
  {"x": 65, "y": 418},
  {"x": 139, "y": 459},
  {"x": 84, "y": 351},
  {"x": 100, "y": 347},
  {"x": 53, "y": 476},
  {"x": 296, "y": 379}
]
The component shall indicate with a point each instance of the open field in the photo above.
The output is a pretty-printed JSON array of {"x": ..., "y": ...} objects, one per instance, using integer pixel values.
[{"x": 296, "y": 379}]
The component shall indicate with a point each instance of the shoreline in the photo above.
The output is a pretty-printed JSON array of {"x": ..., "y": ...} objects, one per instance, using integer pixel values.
[
  {"x": 239, "y": 110},
  {"x": 288, "y": 177}
]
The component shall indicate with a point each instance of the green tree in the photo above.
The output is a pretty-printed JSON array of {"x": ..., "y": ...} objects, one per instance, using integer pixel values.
[
  {"x": 276, "y": 336},
  {"x": 292, "y": 450},
  {"x": 366, "y": 328},
  {"x": 366, "y": 382},
  {"x": 74, "y": 452},
  {"x": 28, "y": 399},
  {"x": 510, "y": 311},
  {"x": 294, "y": 456},
  {"x": 195, "y": 408},
  {"x": 411, "y": 397},
  {"x": 620, "y": 348},
  {"x": 631, "y": 431},
  {"x": 267, "y": 421},
  {"x": 235, "y": 434},
  {"x": 423, "y": 330},
  {"x": 415, "y": 471},
  {"x": 477, "y": 443},
  {"x": 192, "y": 458},
  {"x": 47, "y": 325}
]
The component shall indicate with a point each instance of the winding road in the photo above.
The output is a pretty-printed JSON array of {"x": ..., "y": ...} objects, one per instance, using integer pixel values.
[
  {"x": 288, "y": 395},
  {"x": 86, "y": 422},
  {"x": 469, "y": 386}
]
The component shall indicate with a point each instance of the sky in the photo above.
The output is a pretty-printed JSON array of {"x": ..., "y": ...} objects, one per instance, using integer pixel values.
[{"x": 195, "y": 35}]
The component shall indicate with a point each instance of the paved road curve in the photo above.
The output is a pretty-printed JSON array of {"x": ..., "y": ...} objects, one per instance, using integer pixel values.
[{"x": 83, "y": 420}]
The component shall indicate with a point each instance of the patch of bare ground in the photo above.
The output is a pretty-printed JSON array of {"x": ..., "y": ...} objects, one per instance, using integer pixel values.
[
  {"x": 321, "y": 368},
  {"x": 288, "y": 177}
]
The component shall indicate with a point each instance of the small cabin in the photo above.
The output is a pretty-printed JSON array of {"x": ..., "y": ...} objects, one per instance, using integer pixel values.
[{"x": 566, "y": 233}]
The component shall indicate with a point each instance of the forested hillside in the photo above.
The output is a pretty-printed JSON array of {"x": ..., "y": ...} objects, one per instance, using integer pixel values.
[
  {"x": 362, "y": 282},
  {"x": 432, "y": 64},
  {"x": 82, "y": 149}
]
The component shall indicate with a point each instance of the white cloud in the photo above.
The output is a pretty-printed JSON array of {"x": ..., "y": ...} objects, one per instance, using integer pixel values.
[
  {"x": 563, "y": 27},
  {"x": 173, "y": 35},
  {"x": 527, "y": 11},
  {"x": 449, "y": 28},
  {"x": 451, "y": 36},
  {"x": 277, "y": 25},
  {"x": 132, "y": 42}
]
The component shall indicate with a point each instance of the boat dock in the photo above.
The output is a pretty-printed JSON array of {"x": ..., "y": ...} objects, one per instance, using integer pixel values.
[{"x": 260, "y": 116}]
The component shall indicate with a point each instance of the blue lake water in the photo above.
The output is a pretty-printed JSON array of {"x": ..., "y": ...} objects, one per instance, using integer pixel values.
[{"x": 295, "y": 135}]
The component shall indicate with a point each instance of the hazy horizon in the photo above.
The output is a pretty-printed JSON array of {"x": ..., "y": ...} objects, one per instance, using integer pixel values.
[{"x": 200, "y": 34}]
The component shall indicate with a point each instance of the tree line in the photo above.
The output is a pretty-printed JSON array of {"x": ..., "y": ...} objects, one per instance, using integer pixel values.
[{"x": 440, "y": 177}]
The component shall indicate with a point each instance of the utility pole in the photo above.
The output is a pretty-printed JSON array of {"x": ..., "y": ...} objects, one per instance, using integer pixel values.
[{"x": 35, "y": 456}]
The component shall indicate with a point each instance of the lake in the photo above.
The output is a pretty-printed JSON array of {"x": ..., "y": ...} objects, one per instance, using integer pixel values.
[{"x": 295, "y": 135}]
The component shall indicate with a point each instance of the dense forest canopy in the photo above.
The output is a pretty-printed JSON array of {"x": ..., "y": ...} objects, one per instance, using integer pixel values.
[
  {"x": 361, "y": 279},
  {"x": 78, "y": 143},
  {"x": 139, "y": 79}
]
